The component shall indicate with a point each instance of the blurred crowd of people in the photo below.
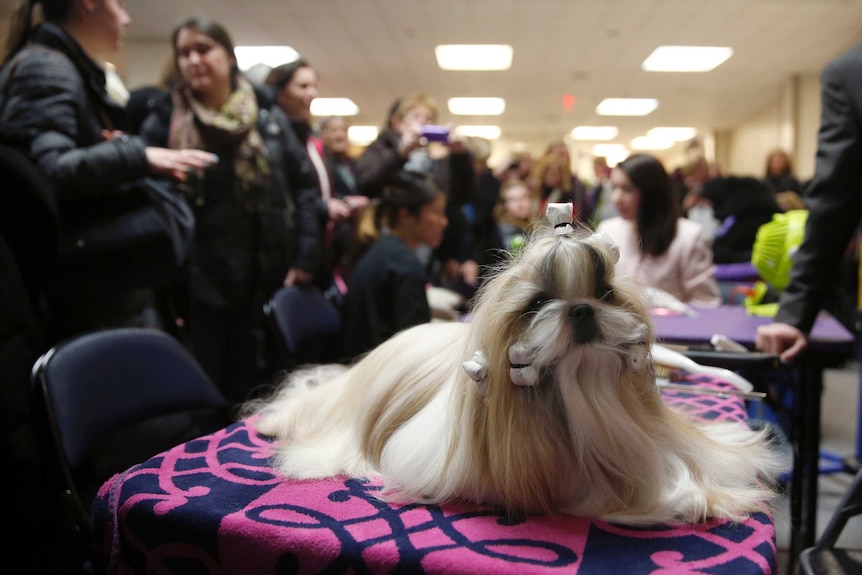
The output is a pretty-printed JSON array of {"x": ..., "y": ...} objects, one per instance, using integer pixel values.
[{"x": 278, "y": 200}]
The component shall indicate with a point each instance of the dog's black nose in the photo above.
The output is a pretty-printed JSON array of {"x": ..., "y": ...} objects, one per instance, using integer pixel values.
[{"x": 583, "y": 318}]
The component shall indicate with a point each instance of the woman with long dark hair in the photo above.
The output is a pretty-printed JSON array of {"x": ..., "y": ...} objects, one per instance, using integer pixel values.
[
  {"x": 657, "y": 246},
  {"x": 256, "y": 228}
]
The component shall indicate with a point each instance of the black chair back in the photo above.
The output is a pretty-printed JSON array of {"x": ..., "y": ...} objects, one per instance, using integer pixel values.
[
  {"x": 106, "y": 400},
  {"x": 305, "y": 324}
]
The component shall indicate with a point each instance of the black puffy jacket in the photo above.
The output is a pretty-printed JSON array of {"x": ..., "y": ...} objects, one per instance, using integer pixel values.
[
  {"x": 282, "y": 232},
  {"x": 55, "y": 109}
]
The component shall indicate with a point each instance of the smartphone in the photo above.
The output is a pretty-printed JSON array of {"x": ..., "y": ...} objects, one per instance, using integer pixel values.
[{"x": 433, "y": 133}]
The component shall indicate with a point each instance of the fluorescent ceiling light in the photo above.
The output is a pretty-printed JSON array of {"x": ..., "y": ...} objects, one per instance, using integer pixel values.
[
  {"x": 613, "y": 153},
  {"x": 675, "y": 134},
  {"x": 362, "y": 134},
  {"x": 487, "y": 132},
  {"x": 595, "y": 132},
  {"x": 333, "y": 107},
  {"x": 474, "y": 56},
  {"x": 650, "y": 143},
  {"x": 605, "y": 149},
  {"x": 626, "y": 106},
  {"x": 686, "y": 58},
  {"x": 272, "y": 56},
  {"x": 477, "y": 106}
]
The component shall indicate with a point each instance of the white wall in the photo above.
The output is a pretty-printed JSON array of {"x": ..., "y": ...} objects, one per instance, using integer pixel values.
[
  {"x": 145, "y": 61},
  {"x": 807, "y": 126},
  {"x": 790, "y": 123}
]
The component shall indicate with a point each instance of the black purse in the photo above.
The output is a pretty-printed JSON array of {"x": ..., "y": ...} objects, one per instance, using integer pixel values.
[{"x": 137, "y": 237}]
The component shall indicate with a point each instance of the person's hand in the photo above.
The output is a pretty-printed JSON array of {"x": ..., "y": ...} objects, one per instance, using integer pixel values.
[
  {"x": 109, "y": 135},
  {"x": 782, "y": 339},
  {"x": 470, "y": 273},
  {"x": 297, "y": 276},
  {"x": 411, "y": 138},
  {"x": 356, "y": 203},
  {"x": 339, "y": 210},
  {"x": 177, "y": 164},
  {"x": 451, "y": 270}
]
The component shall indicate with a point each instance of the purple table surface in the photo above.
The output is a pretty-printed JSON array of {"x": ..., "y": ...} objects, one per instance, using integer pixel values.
[
  {"x": 733, "y": 321},
  {"x": 744, "y": 271}
]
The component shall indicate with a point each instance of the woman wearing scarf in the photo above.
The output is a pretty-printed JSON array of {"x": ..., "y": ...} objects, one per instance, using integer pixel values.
[{"x": 256, "y": 226}]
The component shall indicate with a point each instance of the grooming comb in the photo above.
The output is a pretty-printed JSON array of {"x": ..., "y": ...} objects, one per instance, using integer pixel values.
[{"x": 671, "y": 373}]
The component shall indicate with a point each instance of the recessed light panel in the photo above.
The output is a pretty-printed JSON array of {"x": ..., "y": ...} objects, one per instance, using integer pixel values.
[
  {"x": 487, "y": 132},
  {"x": 686, "y": 58},
  {"x": 613, "y": 153},
  {"x": 362, "y": 134},
  {"x": 477, "y": 106},
  {"x": 333, "y": 107},
  {"x": 474, "y": 56},
  {"x": 677, "y": 134},
  {"x": 595, "y": 133},
  {"x": 648, "y": 143},
  {"x": 272, "y": 56},
  {"x": 626, "y": 106}
]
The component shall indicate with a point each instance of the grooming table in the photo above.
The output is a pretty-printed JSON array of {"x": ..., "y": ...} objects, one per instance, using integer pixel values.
[
  {"x": 829, "y": 344},
  {"x": 215, "y": 505}
]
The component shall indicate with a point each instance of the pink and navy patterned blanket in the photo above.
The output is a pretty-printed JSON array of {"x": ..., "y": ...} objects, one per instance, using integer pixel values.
[{"x": 215, "y": 505}]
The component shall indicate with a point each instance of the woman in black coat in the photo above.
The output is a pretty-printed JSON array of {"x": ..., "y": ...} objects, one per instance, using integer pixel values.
[
  {"x": 56, "y": 110},
  {"x": 256, "y": 224}
]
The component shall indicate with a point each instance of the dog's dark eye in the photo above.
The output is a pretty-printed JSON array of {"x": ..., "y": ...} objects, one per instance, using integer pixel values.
[
  {"x": 605, "y": 293},
  {"x": 538, "y": 303}
]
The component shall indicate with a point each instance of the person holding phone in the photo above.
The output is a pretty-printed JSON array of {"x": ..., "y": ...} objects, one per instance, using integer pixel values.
[
  {"x": 256, "y": 223},
  {"x": 403, "y": 145}
]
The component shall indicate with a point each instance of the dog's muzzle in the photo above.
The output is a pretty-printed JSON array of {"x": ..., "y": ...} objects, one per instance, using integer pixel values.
[{"x": 583, "y": 319}]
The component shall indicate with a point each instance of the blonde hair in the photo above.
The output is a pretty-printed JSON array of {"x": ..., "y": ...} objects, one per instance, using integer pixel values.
[
  {"x": 415, "y": 100},
  {"x": 544, "y": 164},
  {"x": 501, "y": 214}
]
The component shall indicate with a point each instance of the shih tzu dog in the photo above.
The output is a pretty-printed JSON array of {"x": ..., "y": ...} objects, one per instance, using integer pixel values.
[{"x": 546, "y": 402}]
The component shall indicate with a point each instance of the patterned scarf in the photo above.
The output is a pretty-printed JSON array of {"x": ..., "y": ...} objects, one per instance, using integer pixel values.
[{"x": 195, "y": 126}]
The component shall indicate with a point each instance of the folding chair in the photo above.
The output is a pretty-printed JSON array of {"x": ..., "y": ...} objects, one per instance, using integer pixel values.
[
  {"x": 107, "y": 400},
  {"x": 305, "y": 324}
]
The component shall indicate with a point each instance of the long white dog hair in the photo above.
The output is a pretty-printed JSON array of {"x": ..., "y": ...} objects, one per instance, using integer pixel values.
[{"x": 558, "y": 412}]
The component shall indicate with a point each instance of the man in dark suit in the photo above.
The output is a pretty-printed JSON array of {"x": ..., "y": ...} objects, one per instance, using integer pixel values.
[{"x": 834, "y": 199}]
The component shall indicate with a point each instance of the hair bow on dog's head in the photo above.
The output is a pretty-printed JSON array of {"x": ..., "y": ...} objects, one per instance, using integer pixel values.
[{"x": 560, "y": 216}]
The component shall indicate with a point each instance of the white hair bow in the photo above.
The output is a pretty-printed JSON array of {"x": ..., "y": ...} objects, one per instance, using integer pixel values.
[
  {"x": 560, "y": 216},
  {"x": 477, "y": 369}
]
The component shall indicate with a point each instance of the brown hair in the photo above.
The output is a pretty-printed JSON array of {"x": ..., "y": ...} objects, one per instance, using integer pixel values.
[
  {"x": 21, "y": 21},
  {"x": 280, "y": 76},
  {"x": 211, "y": 29}
]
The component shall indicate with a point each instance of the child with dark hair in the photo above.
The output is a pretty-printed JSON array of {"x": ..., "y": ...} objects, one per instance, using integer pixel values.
[{"x": 386, "y": 290}]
